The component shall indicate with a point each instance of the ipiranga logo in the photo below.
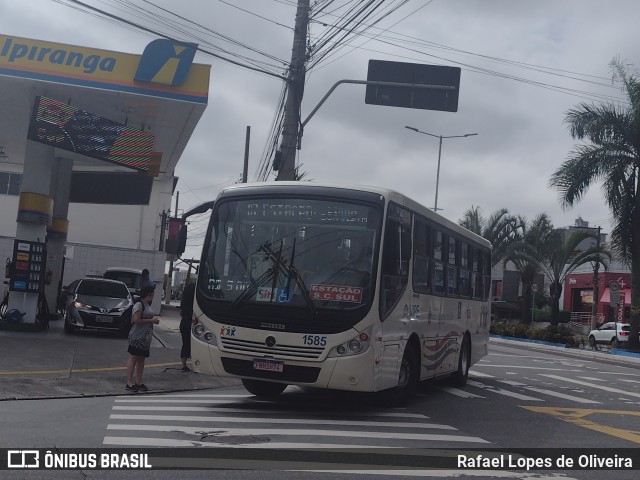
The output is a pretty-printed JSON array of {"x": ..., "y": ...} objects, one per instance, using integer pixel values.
[
  {"x": 165, "y": 61},
  {"x": 32, "y": 52}
]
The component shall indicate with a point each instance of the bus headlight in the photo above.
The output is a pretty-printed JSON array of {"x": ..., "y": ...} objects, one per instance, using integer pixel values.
[
  {"x": 204, "y": 334},
  {"x": 356, "y": 345}
]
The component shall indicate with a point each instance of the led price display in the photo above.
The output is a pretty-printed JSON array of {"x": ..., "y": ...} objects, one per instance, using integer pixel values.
[{"x": 67, "y": 127}]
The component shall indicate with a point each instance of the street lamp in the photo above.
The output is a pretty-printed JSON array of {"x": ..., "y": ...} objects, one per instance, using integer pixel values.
[{"x": 435, "y": 206}]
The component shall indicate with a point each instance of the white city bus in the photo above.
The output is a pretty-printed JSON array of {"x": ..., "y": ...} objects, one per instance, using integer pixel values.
[{"x": 349, "y": 288}]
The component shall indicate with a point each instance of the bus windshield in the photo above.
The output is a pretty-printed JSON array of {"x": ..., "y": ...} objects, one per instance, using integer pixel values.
[{"x": 302, "y": 252}]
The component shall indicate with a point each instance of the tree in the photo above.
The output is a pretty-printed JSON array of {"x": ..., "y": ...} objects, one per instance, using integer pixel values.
[
  {"x": 610, "y": 154},
  {"x": 563, "y": 258},
  {"x": 501, "y": 229},
  {"x": 526, "y": 252}
]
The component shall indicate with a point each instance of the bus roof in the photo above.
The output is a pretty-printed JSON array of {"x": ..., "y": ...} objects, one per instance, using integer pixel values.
[{"x": 391, "y": 195}]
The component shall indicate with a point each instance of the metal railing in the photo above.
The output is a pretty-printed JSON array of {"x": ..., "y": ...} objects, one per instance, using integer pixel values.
[{"x": 585, "y": 318}]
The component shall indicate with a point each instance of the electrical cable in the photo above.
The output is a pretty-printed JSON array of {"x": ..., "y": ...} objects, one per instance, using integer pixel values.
[{"x": 149, "y": 30}]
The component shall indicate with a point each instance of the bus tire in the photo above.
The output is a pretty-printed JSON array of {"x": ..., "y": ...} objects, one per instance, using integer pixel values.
[
  {"x": 263, "y": 389},
  {"x": 408, "y": 379},
  {"x": 459, "y": 378}
]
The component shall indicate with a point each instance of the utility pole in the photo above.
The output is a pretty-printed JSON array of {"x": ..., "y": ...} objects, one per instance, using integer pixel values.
[
  {"x": 167, "y": 290},
  {"x": 295, "y": 90},
  {"x": 594, "y": 303},
  {"x": 245, "y": 168}
]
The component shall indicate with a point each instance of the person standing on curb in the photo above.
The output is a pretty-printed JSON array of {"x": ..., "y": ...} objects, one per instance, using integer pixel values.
[
  {"x": 186, "y": 320},
  {"x": 140, "y": 335}
]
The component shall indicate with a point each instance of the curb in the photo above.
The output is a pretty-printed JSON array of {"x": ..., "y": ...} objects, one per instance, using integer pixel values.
[
  {"x": 23, "y": 327},
  {"x": 616, "y": 356}
]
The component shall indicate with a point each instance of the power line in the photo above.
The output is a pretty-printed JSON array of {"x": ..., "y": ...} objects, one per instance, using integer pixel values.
[
  {"x": 149, "y": 30},
  {"x": 256, "y": 15}
]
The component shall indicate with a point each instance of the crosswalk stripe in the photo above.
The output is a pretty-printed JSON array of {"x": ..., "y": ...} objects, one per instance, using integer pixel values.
[
  {"x": 197, "y": 430},
  {"x": 256, "y": 411},
  {"x": 451, "y": 473},
  {"x": 500, "y": 391},
  {"x": 150, "y": 399},
  {"x": 551, "y": 393},
  {"x": 459, "y": 393},
  {"x": 170, "y": 442},
  {"x": 217, "y": 395},
  {"x": 593, "y": 385},
  {"x": 484, "y": 365},
  {"x": 475, "y": 374},
  {"x": 220, "y": 419}
]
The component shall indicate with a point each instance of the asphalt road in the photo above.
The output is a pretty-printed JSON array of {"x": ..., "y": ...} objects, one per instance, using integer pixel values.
[{"x": 515, "y": 399}]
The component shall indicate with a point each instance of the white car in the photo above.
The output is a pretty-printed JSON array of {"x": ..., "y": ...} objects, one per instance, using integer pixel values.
[{"x": 610, "y": 332}]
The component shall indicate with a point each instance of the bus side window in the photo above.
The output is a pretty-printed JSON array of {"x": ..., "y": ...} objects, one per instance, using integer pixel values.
[
  {"x": 464, "y": 274},
  {"x": 452, "y": 268},
  {"x": 421, "y": 254},
  {"x": 476, "y": 275},
  {"x": 395, "y": 263},
  {"x": 437, "y": 280},
  {"x": 486, "y": 267}
]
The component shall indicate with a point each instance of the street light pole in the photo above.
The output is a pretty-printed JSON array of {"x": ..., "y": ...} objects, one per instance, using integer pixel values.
[
  {"x": 435, "y": 203},
  {"x": 594, "y": 299},
  {"x": 440, "y": 137}
]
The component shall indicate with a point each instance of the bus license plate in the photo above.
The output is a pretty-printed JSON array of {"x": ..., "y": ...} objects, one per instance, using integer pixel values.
[
  {"x": 268, "y": 365},
  {"x": 104, "y": 319}
]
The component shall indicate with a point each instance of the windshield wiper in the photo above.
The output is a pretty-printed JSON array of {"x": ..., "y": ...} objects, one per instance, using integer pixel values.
[
  {"x": 290, "y": 272},
  {"x": 293, "y": 272},
  {"x": 270, "y": 273},
  {"x": 262, "y": 279}
]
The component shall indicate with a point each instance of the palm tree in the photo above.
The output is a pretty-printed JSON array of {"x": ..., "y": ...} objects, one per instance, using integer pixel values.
[
  {"x": 526, "y": 252},
  {"x": 473, "y": 220},
  {"x": 611, "y": 154},
  {"x": 562, "y": 259},
  {"x": 501, "y": 229}
]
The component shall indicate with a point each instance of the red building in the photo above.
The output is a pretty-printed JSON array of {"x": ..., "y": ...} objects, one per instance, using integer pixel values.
[{"x": 578, "y": 296}]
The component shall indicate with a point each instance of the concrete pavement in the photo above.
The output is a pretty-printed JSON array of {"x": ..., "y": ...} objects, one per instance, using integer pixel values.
[{"x": 53, "y": 364}]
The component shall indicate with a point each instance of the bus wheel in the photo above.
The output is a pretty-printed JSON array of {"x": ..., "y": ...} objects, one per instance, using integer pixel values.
[
  {"x": 263, "y": 389},
  {"x": 408, "y": 379},
  {"x": 459, "y": 378}
]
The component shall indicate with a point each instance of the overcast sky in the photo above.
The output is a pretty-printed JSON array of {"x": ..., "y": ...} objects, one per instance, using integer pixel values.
[{"x": 558, "y": 51}]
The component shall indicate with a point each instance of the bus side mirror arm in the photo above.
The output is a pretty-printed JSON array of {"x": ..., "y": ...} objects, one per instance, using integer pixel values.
[{"x": 182, "y": 233}]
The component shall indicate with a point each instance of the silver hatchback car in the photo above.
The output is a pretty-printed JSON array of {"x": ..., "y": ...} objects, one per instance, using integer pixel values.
[
  {"x": 98, "y": 304},
  {"x": 611, "y": 332}
]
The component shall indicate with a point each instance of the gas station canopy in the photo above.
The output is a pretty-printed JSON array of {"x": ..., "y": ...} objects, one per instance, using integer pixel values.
[{"x": 160, "y": 92}]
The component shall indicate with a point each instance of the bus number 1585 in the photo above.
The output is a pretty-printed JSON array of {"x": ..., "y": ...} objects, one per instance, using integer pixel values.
[{"x": 316, "y": 340}]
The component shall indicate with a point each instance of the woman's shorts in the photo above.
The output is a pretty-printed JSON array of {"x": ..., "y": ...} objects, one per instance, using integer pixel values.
[{"x": 138, "y": 352}]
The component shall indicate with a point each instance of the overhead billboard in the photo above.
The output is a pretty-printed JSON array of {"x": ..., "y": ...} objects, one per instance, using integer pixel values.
[{"x": 64, "y": 126}]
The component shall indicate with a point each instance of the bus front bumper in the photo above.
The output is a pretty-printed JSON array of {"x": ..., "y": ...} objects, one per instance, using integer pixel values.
[{"x": 352, "y": 373}]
